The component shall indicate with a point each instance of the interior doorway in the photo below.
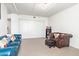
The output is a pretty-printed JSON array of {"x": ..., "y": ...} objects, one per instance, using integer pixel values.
[{"x": 9, "y": 26}]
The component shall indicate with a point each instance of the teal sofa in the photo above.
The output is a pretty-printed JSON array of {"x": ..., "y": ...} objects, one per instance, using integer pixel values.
[{"x": 12, "y": 48}]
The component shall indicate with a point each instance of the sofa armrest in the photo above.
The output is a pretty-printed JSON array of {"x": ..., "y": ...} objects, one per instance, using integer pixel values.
[{"x": 9, "y": 51}]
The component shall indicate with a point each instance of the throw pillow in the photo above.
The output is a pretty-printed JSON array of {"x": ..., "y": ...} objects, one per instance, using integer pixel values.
[
  {"x": 9, "y": 37},
  {"x": 12, "y": 37},
  {"x": 56, "y": 35},
  {"x": 5, "y": 40},
  {"x": 3, "y": 43}
]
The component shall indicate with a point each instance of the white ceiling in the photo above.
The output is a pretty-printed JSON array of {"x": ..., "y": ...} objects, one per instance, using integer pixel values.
[{"x": 35, "y": 10}]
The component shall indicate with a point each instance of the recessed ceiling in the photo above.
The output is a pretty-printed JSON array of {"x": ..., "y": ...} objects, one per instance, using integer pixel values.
[{"x": 37, "y": 9}]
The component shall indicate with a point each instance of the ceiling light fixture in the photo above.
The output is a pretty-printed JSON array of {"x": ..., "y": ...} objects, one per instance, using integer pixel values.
[{"x": 44, "y": 5}]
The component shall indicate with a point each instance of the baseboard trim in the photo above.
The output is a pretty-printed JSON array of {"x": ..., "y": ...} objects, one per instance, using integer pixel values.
[
  {"x": 35, "y": 38},
  {"x": 74, "y": 47}
]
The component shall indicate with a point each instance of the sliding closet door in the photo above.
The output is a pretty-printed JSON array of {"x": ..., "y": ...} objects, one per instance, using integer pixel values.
[{"x": 32, "y": 29}]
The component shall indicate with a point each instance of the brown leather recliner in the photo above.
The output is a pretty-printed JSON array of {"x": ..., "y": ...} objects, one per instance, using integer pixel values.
[{"x": 60, "y": 39}]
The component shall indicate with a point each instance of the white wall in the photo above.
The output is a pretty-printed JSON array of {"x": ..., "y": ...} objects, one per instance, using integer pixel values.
[
  {"x": 28, "y": 26},
  {"x": 67, "y": 21},
  {"x": 14, "y": 23},
  {"x": 3, "y": 21},
  {"x": 32, "y": 27}
]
